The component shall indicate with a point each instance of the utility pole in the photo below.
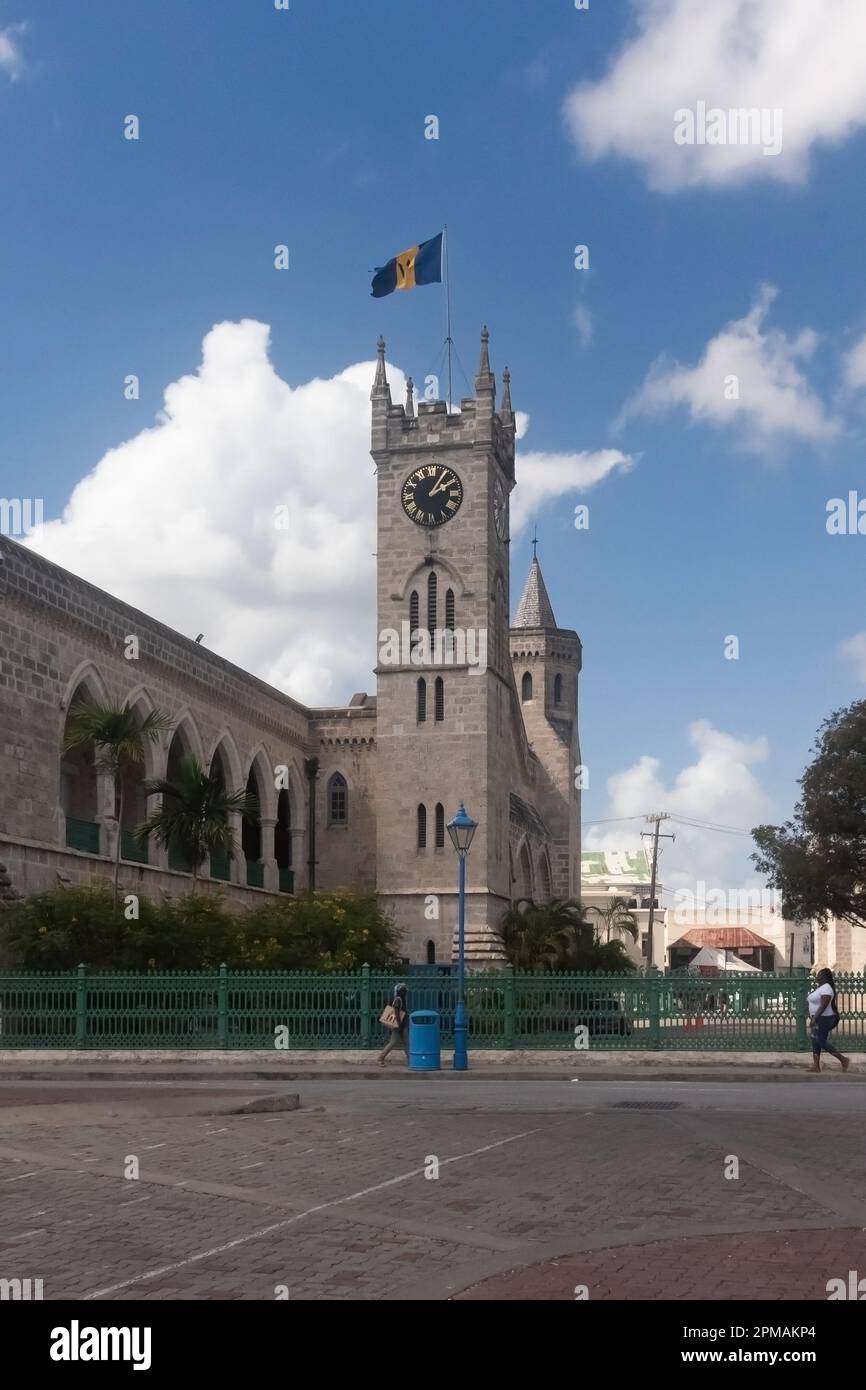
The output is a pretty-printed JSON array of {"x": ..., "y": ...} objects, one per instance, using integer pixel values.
[{"x": 656, "y": 820}]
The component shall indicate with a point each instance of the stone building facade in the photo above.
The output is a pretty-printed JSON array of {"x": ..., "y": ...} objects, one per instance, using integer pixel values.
[{"x": 468, "y": 709}]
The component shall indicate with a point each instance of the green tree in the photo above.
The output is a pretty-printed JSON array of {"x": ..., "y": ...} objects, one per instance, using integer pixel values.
[
  {"x": 817, "y": 860},
  {"x": 118, "y": 734},
  {"x": 193, "y": 816},
  {"x": 543, "y": 936},
  {"x": 617, "y": 917}
]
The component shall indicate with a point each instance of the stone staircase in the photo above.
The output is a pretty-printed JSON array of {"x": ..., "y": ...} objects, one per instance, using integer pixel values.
[{"x": 483, "y": 946}]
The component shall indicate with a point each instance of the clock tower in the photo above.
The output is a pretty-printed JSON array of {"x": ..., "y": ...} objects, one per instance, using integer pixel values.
[{"x": 448, "y": 725}]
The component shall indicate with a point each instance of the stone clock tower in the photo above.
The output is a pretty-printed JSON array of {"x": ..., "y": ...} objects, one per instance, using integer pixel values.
[{"x": 448, "y": 724}]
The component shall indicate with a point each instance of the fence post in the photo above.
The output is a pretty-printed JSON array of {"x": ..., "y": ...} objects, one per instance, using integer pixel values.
[
  {"x": 508, "y": 972},
  {"x": 802, "y": 1006},
  {"x": 223, "y": 1008},
  {"x": 654, "y": 987},
  {"x": 81, "y": 1007},
  {"x": 365, "y": 1005}
]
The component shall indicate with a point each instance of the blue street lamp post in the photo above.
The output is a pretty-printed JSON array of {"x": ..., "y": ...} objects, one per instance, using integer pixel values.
[{"x": 461, "y": 830}]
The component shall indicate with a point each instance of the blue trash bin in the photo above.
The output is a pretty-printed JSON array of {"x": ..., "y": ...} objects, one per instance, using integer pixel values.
[{"x": 424, "y": 1051}]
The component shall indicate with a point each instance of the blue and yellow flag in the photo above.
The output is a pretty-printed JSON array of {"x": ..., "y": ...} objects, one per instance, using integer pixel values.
[{"x": 421, "y": 265}]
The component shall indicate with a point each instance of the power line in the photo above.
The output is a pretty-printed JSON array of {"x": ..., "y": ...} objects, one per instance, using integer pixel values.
[
  {"x": 708, "y": 825},
  {"x": 682, "y": 820},
  {"x": 611, "y": 819}
]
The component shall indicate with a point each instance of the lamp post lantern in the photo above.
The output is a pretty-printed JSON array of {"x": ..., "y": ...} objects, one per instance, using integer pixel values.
[{"x": 461, "y": 830}]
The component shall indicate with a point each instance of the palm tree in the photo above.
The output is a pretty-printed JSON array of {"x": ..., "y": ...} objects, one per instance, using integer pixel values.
[
  {"x": 618, "y": 916},
  {"x": 545, "y": 936},
  {"x": 193, "y": 817},
  {"x": 118, "y": 734}
]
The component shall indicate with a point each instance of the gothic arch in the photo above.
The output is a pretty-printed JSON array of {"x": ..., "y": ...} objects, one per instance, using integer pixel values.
[
  {"x": 421, "y": 569},
  {"x": 338, "y": 781},
  {"x": 264, "y": 770},
  {"x": 78, "y": 783},
  {"x": 87, "y": 675},
  {"x": 225, "y": 745},
  {"x": 296, "y": 795},
  {"x": 543, "y": 878},
  {"x": 185, "y": 727},
  {"x": 524, "y": 884}
]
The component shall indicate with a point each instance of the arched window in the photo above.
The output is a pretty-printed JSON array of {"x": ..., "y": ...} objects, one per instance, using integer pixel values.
[
  {"x": 79, "y": 797},
  {"x": 414, "y": 618},
  {"x": 338, "y": 800},
  {"x": 283, "y": 831},
  {"x": 439, "y": 700},
  {"x": 499, "y": 643},
  {"x": 431, "y": 952},
  {"x": 557, "y": 690},
  {"x": 421, "y": 700},
  {"x": 544, "y": 879},
  {"x": 251, "y": 826},
  {"x": 220, "y": 863},
  {"x": 440, "y": 825},
  {"x": 526, "y": 687},
  {"x": 449, "y": 623},
  {"x": 422, "y": 827},
  {"x": 432, "y": 594},
  {"x": 178, "y": 753}
]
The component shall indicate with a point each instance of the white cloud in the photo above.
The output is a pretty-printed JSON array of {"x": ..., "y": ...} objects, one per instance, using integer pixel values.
[
  {"x": 854, "y": 650},
  {"x": 854, "y": 366},
  {"x": 748, "y": 379},
  {"x": 583, "y": 322},
  {"x": 179, "y": 520},
  {"x": 803, "y": 58},
  {"x": 545, "y": 477},
  {"x": 11, "y": 59},
  {"x": 720, "y": 786}
]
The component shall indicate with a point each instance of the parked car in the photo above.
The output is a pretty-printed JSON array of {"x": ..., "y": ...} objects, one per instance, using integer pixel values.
[{"x": 603, "y": 1015}]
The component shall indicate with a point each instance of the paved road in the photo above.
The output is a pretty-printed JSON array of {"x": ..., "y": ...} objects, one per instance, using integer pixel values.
[{"x": 541, "y": 1187}]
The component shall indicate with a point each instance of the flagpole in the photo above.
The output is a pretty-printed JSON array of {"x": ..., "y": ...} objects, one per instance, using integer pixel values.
[{"x": 448, "y": 339}]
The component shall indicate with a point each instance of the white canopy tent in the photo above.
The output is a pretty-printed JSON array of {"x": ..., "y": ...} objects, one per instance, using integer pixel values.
[{"x": 725, "y": 961}]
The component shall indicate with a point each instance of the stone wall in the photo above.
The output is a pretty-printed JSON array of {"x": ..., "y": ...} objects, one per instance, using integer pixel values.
[{"x": 60, "y": 635}]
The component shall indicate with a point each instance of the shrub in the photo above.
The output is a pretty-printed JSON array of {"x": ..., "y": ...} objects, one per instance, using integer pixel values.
[{"x": 334, "y": 932}]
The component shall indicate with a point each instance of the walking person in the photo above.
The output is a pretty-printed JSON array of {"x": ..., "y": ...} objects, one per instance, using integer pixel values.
[
  {"x": 396, "y": 1017},
  {"x": 823, "y": 1017}
]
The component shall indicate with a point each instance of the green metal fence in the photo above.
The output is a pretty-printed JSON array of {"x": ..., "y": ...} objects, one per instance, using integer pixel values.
[{"x": 296, "y": 1011}]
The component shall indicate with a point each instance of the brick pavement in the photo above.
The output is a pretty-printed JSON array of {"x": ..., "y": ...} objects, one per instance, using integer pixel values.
[
  {"x": 770, "y": 1265},
  {"x": 332, "y": 1200}
]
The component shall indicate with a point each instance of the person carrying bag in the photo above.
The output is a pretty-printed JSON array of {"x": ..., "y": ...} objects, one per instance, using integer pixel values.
[{"x": 396, "y": 1017}]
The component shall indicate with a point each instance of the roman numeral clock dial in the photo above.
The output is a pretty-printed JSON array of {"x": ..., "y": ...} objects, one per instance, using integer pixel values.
[{"x": 432, "y": 494}]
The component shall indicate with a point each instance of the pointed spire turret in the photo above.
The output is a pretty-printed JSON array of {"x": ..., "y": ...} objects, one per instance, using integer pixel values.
[
  {"x": 535, "y": 608},
  {"x": 381, "y": 391},
  {"x": 381, "y": 379},
  {"x": 506, "y": 413},
  {"x": 484, "y": 380},
  {"x": 410, "y": 398}
]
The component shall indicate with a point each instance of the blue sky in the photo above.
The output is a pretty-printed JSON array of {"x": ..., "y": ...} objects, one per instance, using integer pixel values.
[{"x": 306, "y": 127}]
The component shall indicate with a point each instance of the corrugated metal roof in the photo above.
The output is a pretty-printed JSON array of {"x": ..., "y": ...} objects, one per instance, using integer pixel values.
[{"x": 723, "y": 938}]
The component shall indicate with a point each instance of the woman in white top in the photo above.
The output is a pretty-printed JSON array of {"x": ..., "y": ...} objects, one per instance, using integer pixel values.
[{"x": 823, "y": 1016}]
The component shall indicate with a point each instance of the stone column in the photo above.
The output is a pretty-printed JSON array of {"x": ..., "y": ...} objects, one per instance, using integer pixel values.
[
  {"x": 105, "y": 816},
  {"x": 272, "y": 873},
  {"x": 298, "y": 856},
  {"x": 238, "y": 870}
]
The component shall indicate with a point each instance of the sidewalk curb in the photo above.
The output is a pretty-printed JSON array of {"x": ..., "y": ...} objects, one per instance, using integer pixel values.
[{"x": 587, "y": 1062}]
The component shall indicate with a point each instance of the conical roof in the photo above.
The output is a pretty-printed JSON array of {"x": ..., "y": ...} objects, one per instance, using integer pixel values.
[{"x": 535, "y": 608}]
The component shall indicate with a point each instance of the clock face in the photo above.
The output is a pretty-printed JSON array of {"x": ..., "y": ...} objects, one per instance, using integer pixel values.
[
  {"x": 432, "y": 494},
  {"x": 499, "y": 514}
]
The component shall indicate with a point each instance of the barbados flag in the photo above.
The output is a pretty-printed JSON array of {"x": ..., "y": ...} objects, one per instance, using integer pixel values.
[{"x": 421, "y": 265}]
